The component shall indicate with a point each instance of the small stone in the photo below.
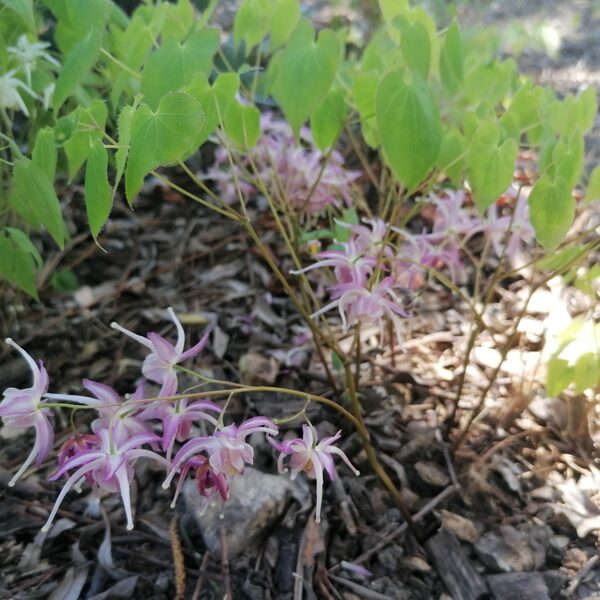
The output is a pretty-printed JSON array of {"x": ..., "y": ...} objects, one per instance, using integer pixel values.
[
  {"x": 432, "y": 473},
  {"x": 508, "y": 549},
  {"x": 256, "y": 500},
  {"x": 465, "y": 529},
  {"x": 415, "y": 563}
]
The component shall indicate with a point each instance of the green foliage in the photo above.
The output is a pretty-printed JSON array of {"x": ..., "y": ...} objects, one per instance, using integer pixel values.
[
  {"x": 305, "y": 72},
  {"x": 120, "y": 96},
  {"x": 33, "y": 197},
  {"x": 489, "y": 154},
  {"x": 409, "y": 126},
  {"x": 552, "y": 208},
  {"x": 160, "y": 137},
  {"x": 78, "y": 64},
  {"x": 98, "y": 195}
]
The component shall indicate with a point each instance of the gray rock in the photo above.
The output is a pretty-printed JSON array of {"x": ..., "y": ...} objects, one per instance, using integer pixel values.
[
  {"x": 508, "y": 549},
  {"x": 256, "y": 501}
]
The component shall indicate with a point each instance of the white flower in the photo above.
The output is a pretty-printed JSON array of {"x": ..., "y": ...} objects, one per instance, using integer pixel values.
[
  {"x": 9, "y": 92},
  {"x": 27, "y": 53}
]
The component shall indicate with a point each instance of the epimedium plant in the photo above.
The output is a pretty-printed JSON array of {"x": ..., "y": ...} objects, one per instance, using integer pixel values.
[{"x": 435, "y": 121}]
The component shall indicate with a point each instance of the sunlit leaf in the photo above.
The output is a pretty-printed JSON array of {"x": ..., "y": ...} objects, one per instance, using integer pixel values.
[
  {"x": 490, "y": 164},
  {"x": 77, "y": 65},
  {"x": 171, "y": 66},
  {"x": 305, "y": 72},
  {"x": 409, "y": 125},
  {"x": 552, "y": 208}
]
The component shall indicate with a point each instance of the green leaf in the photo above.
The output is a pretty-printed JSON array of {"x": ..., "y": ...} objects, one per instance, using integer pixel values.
[
  {"x": 171, "y": 66},
  {"x": 451, "y": 159},
  {"x": 21, "y": 239},
  {"x": 214, "y": 100},
  {"x": 160, "y": 137},
  {"x": 567, "y": 159},
  {"x": 242, "y": 124},
  {"x": 283, "y": 22},
  {"x": 364, "y": 92},
  {"x": 77, "y": 65},
  {"x": 552, "y": 208},
  {"x": 451, "y": 60},
  {"x": 133, "y": 46},
  {"x": 98, "y": 197},
  {"x": 64, "y": 280},
  {"x": 490, "y": 164},
  {"x": 44, "y": 153},
  {"x": 327, "y": 121},
  {"x": 17, "y": 266},
  {"x": 409, "y": 125},
  {"x": 414, "y": 41},
  {"x": 305, "y": 72},
  {"x": 558, "y": 376},
  {"x": 124, "y": 130},
  {"x": 23, "y": 8},
  {"x": 179, "y": 19},
  {"x": 90, "y": 127},
  {"x": 593, "y": 187},
  {"x": 251, "y": 22},
  {"x": 33, "y": 196},
  {"x": 586, "y": 372},
  {"x": 587, "y": 104}
]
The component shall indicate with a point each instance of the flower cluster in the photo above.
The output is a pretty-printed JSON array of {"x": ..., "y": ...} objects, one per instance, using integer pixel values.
[
  {"x": 24, "y": 55},
  {"x": 295, "y": 171},
  {"x": 136, "y": 427},
  {"x": 378, "y": 260}
]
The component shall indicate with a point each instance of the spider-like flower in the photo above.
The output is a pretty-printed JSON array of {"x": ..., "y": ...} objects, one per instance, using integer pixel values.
[
  {"x": 177, "y": 419},
  {"x": 159, "y": 365},
  {"x": 108, "y": 464},
  {"x": 27, "y": 53},
  {"x": 21, "y": 408},
  {"x": 350, "y": 264},
  {"x": 10, "y": 96},
  {"x": 207, "y": 480},
  {"x": 227, "y": 449},
  {"x": 115, "y": 413},
  {"x": 358, "y": 304},
  {"x": 305, "y": 454}
]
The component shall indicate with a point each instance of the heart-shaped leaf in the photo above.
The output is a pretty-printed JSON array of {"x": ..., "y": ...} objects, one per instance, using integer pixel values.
[
  {"x": 490, "y": 164},
  {"x": 160, "y": 137},
  {"x": 305, "y": 72},
  {"x": 552, "y": 208},
  {"x": 409, "y": 125}
]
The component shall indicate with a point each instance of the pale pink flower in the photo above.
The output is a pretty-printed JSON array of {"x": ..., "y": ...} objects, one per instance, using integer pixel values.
[
  {"x": 115, "y": 412},
  {"x": 178, "y": 417},
  {"x": 308, "y": 456},
  {"x": 350, "y": 264},
  {"x": 21, "y": 408},
  {"x": 358, "y": 304},
  {"x": 227, "y": 449},
  {"x": 159, "y": 365},
  {"x": 109, "y": 464}
]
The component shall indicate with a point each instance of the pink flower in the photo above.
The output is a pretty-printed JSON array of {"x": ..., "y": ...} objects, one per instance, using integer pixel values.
[
  {"x": 358, "y": 304},
  {"x": 350, "y": 264},
  {"x": 177, "y": 419},
  {"x": 114, "y": 412},
  {"x": 108, "y": 463},
  {"x": 305, "y": 454},
  {"x": 227, "y": 449},
  {"x": 207, "y": 480},
  {"x": 159, "y": 365},
  {"x": 22, "y": 408},
  {"x": 74, "y": 446}
]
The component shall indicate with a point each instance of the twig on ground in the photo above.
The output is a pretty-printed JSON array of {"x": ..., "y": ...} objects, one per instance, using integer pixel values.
[
  {"x": 201, "y": 576},
  {"x": 178, "y": 560}
]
